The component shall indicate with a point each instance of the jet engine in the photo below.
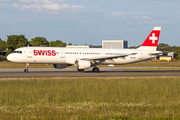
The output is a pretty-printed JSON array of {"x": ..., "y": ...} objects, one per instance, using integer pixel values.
[
  {"x": 82, "y": 64},
  {"x": 60, "y": 66}
]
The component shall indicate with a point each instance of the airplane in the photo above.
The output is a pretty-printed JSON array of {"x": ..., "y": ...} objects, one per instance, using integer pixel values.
[{"x": 84, "y": 58}]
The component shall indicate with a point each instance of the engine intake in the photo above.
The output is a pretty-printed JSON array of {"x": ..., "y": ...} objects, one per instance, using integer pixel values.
[{"x": 82, "y": 64}]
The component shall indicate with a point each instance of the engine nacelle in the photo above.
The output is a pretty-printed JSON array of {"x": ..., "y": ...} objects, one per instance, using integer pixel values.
[
  {"x": 60, "y": 66},
  {"x": 82, "y": 64}
]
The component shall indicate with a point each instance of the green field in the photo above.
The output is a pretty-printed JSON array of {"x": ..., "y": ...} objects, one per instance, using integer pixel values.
[
  {"x": 138, "y": 64},
  {"x": 155, "y": 68},
  {"x": 111, "y": 98}
]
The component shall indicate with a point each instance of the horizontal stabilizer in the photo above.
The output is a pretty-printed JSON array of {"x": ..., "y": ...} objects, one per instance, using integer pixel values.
[{"x": 156, "y": 53}]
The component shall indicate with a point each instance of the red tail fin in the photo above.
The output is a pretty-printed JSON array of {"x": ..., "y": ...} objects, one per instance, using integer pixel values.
[{"x": 152, "y": 40}]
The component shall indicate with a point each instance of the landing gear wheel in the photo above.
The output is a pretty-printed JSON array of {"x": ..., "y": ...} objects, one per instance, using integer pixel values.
[
  {"x": 80, "y": 70},
  {"x": 96, "y": 69},
  {"x": 26, "y": 70}
]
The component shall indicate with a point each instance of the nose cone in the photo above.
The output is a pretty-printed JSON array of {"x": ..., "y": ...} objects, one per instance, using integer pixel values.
[{"x": 10, "y": 57}]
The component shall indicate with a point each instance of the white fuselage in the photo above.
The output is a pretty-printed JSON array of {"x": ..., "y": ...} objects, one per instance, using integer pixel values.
[{"x": 61, "y": 55}]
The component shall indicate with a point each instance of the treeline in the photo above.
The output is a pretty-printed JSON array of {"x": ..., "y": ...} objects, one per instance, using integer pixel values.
[
  {"x": 15, "y": 41},
  {"x": 166, "y": 48}
]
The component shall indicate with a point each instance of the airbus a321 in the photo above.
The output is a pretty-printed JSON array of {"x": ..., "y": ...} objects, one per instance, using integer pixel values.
[{"x": 84, "y": 58}]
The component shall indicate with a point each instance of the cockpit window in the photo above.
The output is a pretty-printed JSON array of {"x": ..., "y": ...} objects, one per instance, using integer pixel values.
[{"x": 18, "y": 52}]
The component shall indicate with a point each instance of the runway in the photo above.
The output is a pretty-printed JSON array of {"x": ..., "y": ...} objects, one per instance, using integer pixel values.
[{"x": 72, "y": 72}]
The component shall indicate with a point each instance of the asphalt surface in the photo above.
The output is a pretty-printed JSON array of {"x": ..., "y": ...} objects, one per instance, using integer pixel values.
[{"x": 72, "y": 72}]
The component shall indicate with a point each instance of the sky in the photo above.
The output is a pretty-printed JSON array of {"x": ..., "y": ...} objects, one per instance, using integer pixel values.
[{"x": 91, "y": 21}]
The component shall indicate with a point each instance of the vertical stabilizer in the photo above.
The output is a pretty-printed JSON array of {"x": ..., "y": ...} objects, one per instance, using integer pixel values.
[{"x": 152, "y": 40}]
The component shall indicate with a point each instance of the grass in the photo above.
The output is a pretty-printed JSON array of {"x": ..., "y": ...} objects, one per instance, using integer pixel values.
[
  {"x": 17, "y": 65},
  {"x": 138, "y": 64},
  {"x": 149, "y": 68},
  {"x": 152, "y": 64},
  {"x": 90, "y": 98}
]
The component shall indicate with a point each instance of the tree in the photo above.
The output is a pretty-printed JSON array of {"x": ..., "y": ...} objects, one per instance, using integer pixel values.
[
  {"x": 70, "y": 44},
  {"x": 57, "y": 43},
  {"x": 164, "y": 47},
  {"x": 9, "y": 51},
  {"x": 2, "y": 44},
  {"x": 177, "y": 50},
  {"x": 63, "y": 45},
  {"x": 16, "y": 41},
  {"x": 39, "y": 41}
]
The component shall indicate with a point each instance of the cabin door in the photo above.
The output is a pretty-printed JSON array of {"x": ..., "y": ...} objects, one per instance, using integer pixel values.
[
  {"x": 29, "y": 53},
  {"x": 62, "y": 53}
]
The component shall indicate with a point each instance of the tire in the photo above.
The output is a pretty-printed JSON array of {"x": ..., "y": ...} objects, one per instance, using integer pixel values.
[
  {"x": 96, "y": 70},
  {"x": 80, "y": 70},
  {"x": 26, "y": 70}
]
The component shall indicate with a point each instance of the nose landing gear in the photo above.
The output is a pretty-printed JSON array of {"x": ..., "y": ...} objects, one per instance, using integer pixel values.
[{"x": 26, "y": 70}]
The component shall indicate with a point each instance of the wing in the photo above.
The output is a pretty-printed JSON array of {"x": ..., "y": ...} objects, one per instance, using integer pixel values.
[{"x": 108, "y": 57}]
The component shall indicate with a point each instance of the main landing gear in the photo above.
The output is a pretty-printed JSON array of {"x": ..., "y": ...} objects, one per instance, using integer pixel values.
[
  {"x": 95, "y": 69},
  {"x": 26, "y": 70},
  {"x": 80, "y": 70}
]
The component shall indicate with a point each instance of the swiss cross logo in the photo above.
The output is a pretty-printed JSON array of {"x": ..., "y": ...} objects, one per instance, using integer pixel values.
[{"x": 153, "y": 38}]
